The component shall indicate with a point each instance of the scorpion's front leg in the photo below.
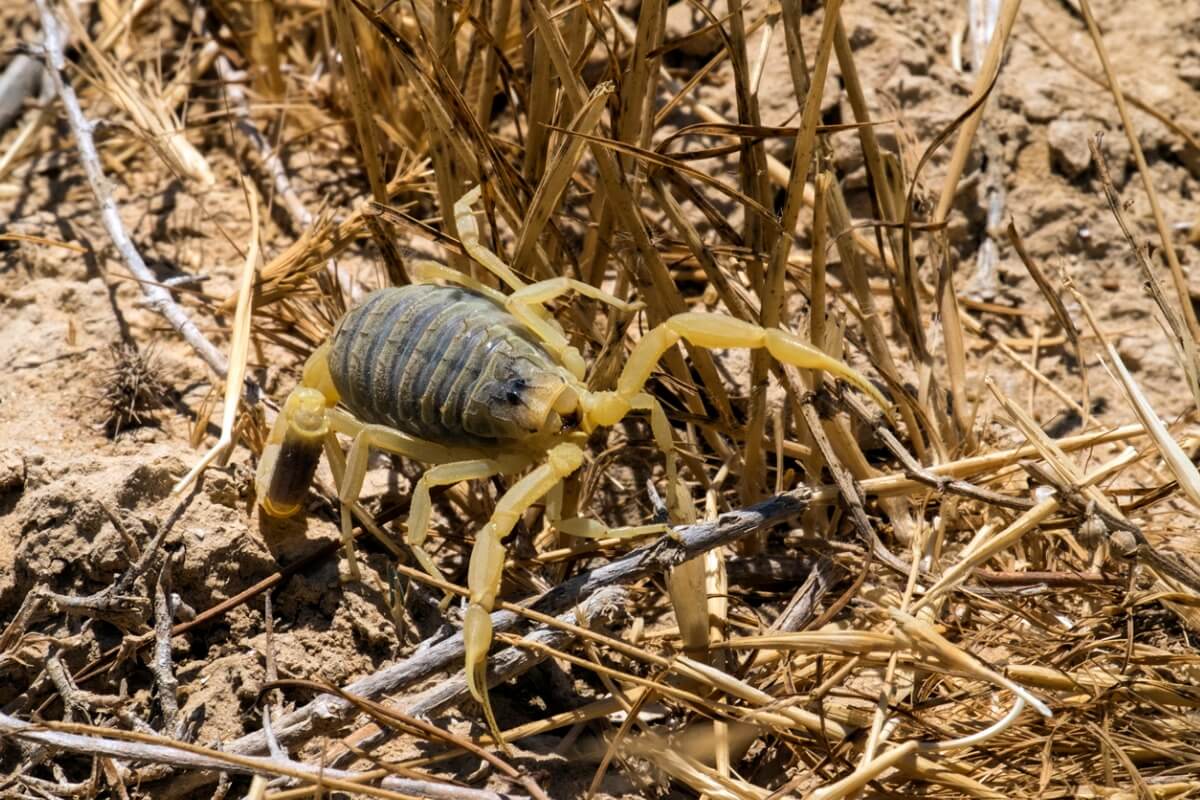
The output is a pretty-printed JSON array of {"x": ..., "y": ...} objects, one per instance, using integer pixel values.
[
  {"x": 660, "y": 427},
  {"x": 487, "y": 564},
  {"x": 713, "y": 332}
]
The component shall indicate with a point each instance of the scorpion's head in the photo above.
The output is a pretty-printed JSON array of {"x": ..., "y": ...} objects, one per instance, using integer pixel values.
[{"x": 527, "y": 401}]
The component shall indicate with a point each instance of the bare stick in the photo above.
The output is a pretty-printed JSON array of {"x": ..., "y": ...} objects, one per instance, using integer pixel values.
[
  {"x": 20, "y": 80},
  {"x": 326, "y": 712},
  {"x": 164, "y": 665},
  {"x": 272, "y": 163},
  {"x": 157, "y": 297},
  {"x": 128, "y": 746}
]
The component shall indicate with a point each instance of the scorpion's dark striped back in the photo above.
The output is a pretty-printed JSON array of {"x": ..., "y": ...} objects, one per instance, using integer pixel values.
[{"x": 442, "y": 363}]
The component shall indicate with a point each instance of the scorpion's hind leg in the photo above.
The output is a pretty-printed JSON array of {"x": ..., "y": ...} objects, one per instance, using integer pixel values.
[
  {"x": 487, "y": 564},
  {"x": 292, "y": 453},
  {"x": 417, "y": 527},
  {"x": 379, "y": 437}
]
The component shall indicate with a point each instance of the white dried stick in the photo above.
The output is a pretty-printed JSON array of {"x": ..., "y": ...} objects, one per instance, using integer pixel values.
[{"x": 157, "y": 297}]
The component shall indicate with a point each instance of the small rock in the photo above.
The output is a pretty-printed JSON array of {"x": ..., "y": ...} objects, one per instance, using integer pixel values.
[
  {"x": 861, "y": 36},
  {"x": 1069, "y": 146},
  {"x": 12, "y": 472},
  {"x": 684, "y": 20},
  {"x": 1039, "y": 106},
  {"x": 1189, "y": 71}
]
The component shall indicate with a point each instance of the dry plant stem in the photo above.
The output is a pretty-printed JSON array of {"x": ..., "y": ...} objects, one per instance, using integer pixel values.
[
  {"x": 157, "y": 297},
  {"x": 877, "y": 341},
  {"x": 501, "y": 15},
  {"x": 128, "y": 746},
  {"x": 887, "y": 202},
  {"x": 503, "y": 666},
  {"x": 239, "y": 350},
  {"x": 947, "y": 302},
  {"x": 801, "y": 610},
  {"x": 19, "y": 81},
  {"x": 772, "y": 290},
  {"x": 777, "y": 171},
  {"x": 849, "y": 490},
  {"x": 557, "y": 176},
  {"x": 1160, "y": 222},
  {"x": 1055, "y": 301},
  {"x": 661, "y": 295},
  {"x": 368, "y": 142},
  {"x": 926, "y": 476},
  {"x": 1183, "y": 341},
  {"x": 867, "y": 772},
  {"x": 410, "y": 787},
  {"x": 1181, "y": 466}
]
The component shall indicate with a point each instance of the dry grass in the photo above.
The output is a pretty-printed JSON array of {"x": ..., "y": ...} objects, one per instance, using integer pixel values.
[{"x": 957, "y": 617}]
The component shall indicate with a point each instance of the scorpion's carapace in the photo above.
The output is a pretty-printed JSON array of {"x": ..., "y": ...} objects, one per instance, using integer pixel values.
[{"x": 446, "y": 364}]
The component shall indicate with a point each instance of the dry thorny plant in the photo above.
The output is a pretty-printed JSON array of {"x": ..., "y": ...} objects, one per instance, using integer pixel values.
[{"x": 906, "y": 609}]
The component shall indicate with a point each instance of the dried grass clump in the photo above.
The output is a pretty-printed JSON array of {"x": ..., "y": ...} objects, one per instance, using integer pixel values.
[
  {"x": 132, "y": 388},
  {"x": 953, "y": 603}
]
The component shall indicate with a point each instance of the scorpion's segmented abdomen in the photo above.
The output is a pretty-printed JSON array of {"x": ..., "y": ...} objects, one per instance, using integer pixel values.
[{"x": 438, "y": 362}]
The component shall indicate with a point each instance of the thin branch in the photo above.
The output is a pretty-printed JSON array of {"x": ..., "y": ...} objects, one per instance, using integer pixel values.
[
  {"x": 20, "y": 80},
  {"x": 327, "y": 713},
  {"x": 157, "y": 297},
  {"x": 163, "y": 665},
  {"x": 127, "y": 746}
]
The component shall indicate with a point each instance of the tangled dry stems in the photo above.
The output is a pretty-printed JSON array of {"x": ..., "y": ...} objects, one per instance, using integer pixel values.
[{"x": 938, "y": 578}]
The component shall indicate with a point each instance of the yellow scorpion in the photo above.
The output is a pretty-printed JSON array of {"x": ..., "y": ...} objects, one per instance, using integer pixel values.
[{"x": 478, "y": 384}]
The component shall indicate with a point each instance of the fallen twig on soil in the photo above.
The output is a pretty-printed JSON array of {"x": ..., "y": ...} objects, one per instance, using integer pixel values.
[
  {"x": 157, "y": 297},
  {"x": 503, "y": 666},
  {"x": 20, "y": 80},
  {"x": 326, "y": 713},
  {"x": 127, "y": 746}
]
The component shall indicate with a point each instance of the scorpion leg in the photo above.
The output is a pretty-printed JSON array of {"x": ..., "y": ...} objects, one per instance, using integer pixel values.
[
  {"x": 291, "y": 453},
  {"x": 712, "y": 331},
  {"x": 468, "y": 234},
  {"x": 417, "y": 526},
  {"x": 379, "y": 437},
  {"x": 594, "y": 529},
  {"x": 425, "y": 271},
  {"x": 526, "y": 304},
  {"x": 293, "y": 447},
  {"x": 487, "y": 564}
]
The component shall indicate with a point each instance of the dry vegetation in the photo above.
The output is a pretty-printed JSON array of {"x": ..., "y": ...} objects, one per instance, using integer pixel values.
[{"x": 989, "y": 597}]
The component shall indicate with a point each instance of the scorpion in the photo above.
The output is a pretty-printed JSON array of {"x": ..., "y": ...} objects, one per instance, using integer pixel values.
[{"x": 476, "y": 383}]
